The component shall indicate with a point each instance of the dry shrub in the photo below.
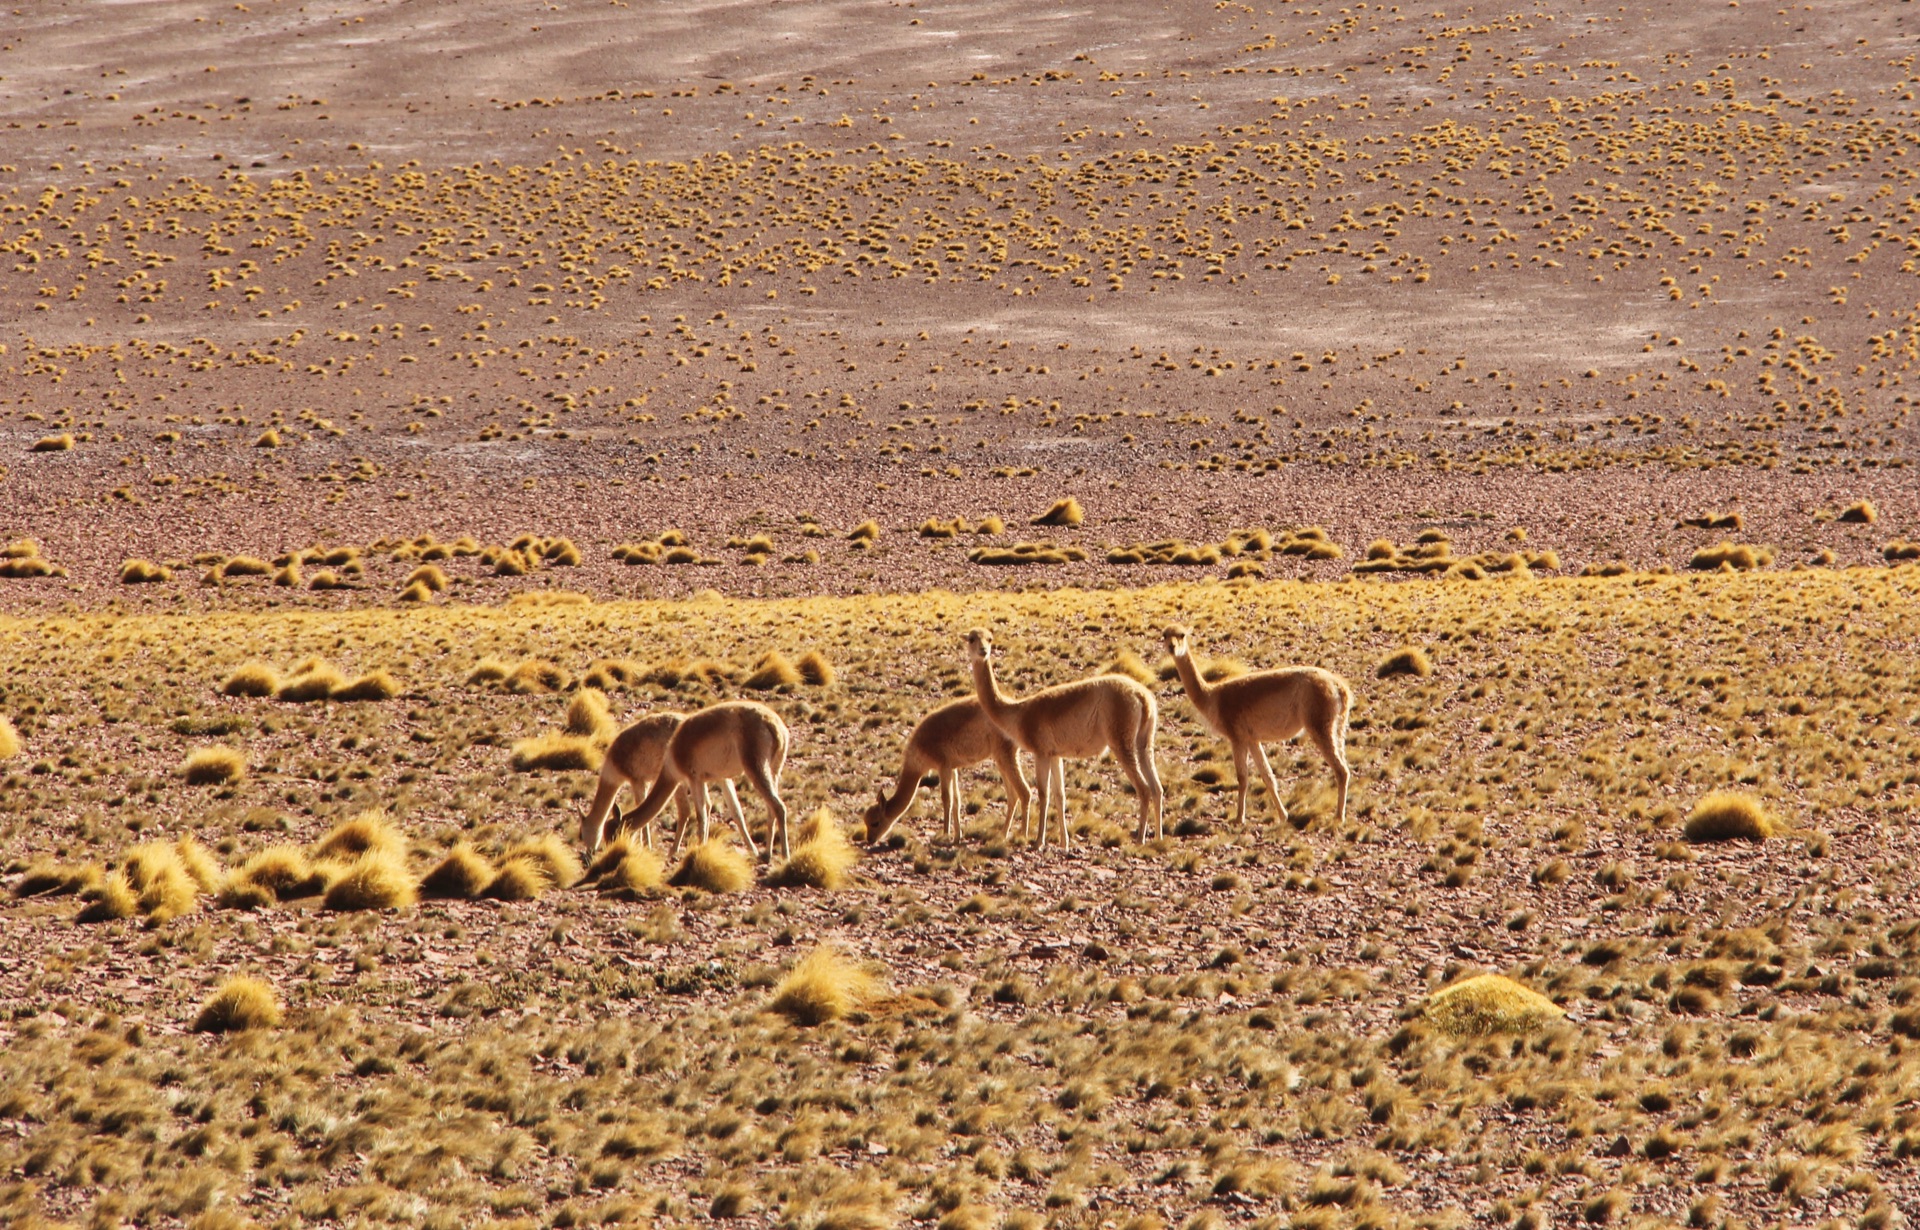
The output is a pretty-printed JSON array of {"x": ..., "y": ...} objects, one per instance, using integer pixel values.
[
  {"x": 1412, "y": 661},
  {"x": 240, "y": 1003},
  {"x": 213, "y": 766},
  {"x": 252, "y": 679},
  {"x": 627, "y": 869},
  {"x": 1130, "y": 665},
  {"x": 821, "y": 857},
  {"x": 312, "y": 680},
  {"x": 519, "y": 879},
  {"x": 1861, "y": 513},
  {"x": 866, "y": 531},
  {"x": 113, "y": 898},
  {"x": 1727, "y": 816},
  {"x": 552, "y": 855},
  {"x": 1490, "y": 1004},
  {"x": 372, "y": 686},
  {"x": 773, "y": 672},
  {"x": 429, "y": 576},
  {"x": 52, "y": 444},
  {"x": 715, "y": 866},
  {"x": 972, "y": 1217},
  {"x": 164, "y": 886},
  {"x": 289, "y": 577},
  {"x": 588, "y": 718},
  {"x": 143, "y": 572},
  {"x": 377, "y": 880},
  {"x": 367, "y": 833},
  {"x": 1062, "y": 512},
  {"x": 607, "y": 674},
  {"x": 1899, "y": 550},
  {"x": 1738, "y": 556},
  {"x": 463, "y": 874},
  {"x": 326, "y": 579},
  {"x": 414, "y": 593},
  {"x": 489, "y": 670},
  {"x": 199, "y": 864},
  {"x": 1714, "y": 521},
  {"x": 556, "y": 753},
  {"x": 277, "y": 873},
  {"x": 823, "y": 986},
  {"x": 814, "y": 669},
  {"x": 46, "y": 878},
  {"x": 9, "y": 740},
  {"x": 534, "y": 675},
  {"x": 245, "y": 566}
]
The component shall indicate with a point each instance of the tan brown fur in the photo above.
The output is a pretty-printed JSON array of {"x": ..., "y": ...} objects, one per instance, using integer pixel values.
[
  {"x": 1078, "y": 721},
  {"x": 732, "y": 739},
  {"x": 633, "y": 760},
  {"x": 1270, "y": 706},
  {"x": 951, "y": 738}
]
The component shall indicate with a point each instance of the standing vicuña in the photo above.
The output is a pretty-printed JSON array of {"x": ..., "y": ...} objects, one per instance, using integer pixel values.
[
  {"x": 946, "y": 741},
  {"x": 732, "y": 739},
  {"x": 633, "y": 760},
  {"x": 1270, "y": 706},
  {"x": 1079, "y": 721}
]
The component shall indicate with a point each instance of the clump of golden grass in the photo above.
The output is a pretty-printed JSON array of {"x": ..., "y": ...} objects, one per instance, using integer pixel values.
[
  {"x": 823, "y": 986},
  {"x": 270, "y": 438},
  {"x": 821, "y": 857},
  {"x": 627, "y": 869},
  {"x": 1065, "y": 512},
  {"x": 773, "y": 673},
  {"x": 551, "y": 853},
  {"x": 46, "y": 878},
  {"x": 990, "y": 525},
  {"x": 815, "y": 670},
  {"x": 1860, "y": 513},
  {"x": 143, "y": 572},
  {"x": 1900, "y": 549},
  {"x": 489, "y": 670},
  {"x": 377, "y": 880},
  {"x": 326, "y": 579},
  {"x": 163, "y": 887},
  {"x": 866, "y": 531},
  {"x": 251, "y": 679},
  {"x": 588, "y": 718},
  {"x": 113, "y": 898},
  {"x": 1409, "y": 661},
  {"x": 213, "y": 766},
  {"x": 1021, "y": 553},
  {"x": 1713, "y": 521},
  {"x": 554, "y": 753},
  {"x": 415, "y": 593},
  {"x": 518, "y": 879},
  {"x": 534, "y": 675},
  {"x": 1728, "y": 815},
  {"x": 607, "y": 674},
  {"x": 431, "y": 576},
  {"x": 311, "y": 680},
  {"x": 22, "y": 561},
  {"x": 272, "y": 875},
  {"x": 373, "y": 686},
  {"x": 199, "y": 864},
  {"x": 9, "y": 740},
  {"x": 52, "y": 444},
  {"x": 289, "y": 576},
  {"x": 1735, "y": 555},
  {"x": 1490, "y": 1004},
  {"x": 245, "y": 566},
  {"x": 463, "y": 874},
  {"x": 240, "y": 1003},
  {"x": 1131, "y": 665},
  {"x": 370, "y": 832},
  {"x": 715, "y": 866}
]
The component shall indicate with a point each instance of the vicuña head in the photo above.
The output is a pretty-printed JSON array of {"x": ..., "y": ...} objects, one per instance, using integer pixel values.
[
  {"x": 979, "y": 643},
  {"x": 1176, "y": 636}
]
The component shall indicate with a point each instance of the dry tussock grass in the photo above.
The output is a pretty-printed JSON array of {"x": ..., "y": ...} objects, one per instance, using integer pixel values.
[
  {"x": 240, "y": 1003},
  {"x": 1729, "y": 816},
  {"x": 1490, "y": 1004},
  {"x": 715, "y": 866},
  {"x": 822, "y": 855},
  {"x": 825, "y": 985}
]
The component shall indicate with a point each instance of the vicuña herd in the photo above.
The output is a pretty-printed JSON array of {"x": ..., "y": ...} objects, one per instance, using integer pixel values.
[{"x": 674, "y": 757}]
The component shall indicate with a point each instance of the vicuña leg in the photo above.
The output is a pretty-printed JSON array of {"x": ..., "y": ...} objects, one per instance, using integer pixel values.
[
  {"x": 1336, "y": 759},
  {"x": 766, "y": 780},
  {"x": 1273, "y": 787}
]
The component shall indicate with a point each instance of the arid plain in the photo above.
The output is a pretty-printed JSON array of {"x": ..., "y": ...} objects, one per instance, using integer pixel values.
[{"x": 401, "y": 397}]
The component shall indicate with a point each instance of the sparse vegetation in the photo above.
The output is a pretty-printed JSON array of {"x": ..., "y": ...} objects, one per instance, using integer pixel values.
[
  {"x": 823, "y": 986},
  {"x": 214, "y": 766},
  {"x": 1728, "y": 816},
  {"x": 716, "y": 866},
  {"x": 241, "y": 1003}
]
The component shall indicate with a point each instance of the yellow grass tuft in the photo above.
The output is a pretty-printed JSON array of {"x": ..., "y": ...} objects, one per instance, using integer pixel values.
[
  {"x": 519, "y": 879},
  {"x": 46, "y": 878},
  {"x": 555, "y": 753},
  {"x": 1412, "y": 661},
  {"x": 814, "y": 669},
  {"x": 824, "y": 986},
  {"x": 245, "y": 566},
  {"x": 1130, "y": 665},
  {"x": 114, "y": 898},
  {"x": 200, "y": 864},
  {"x": 52, "y": 444},
  {"x": 587, "y": 716},
  {"x": 773, "y": 672},
  {"x": 9, "y": 740},
  {"x": 415, "y": 592},
  {"x": 240, "y": 1003},
  {"x": 1738, "y": 556},
  {"x": 715, "y": 866},
  {"x": 1861, "y": 513},
  {"x": 821, "y": 858},
  {"x": 866, "y": 531},
  {"x": 313, "y": 679},
  {"x": 372, "y": 686},
  {"x": 489, "y": 670},
  {"x": 277, "y": 873},
  {"x": 429, "y": 575},
  {"x": 251, "y": 679},
  {"x": 463, "y": 874},
  {"x": 627, "y": 869},
  {"x": 165, "y": 888},
  {"x": 1062, "y": 512},
  {"x": 534, "y": 675},
  {"x": 1490, "y": 1004},
  {"x": 1727, "y": 816},
  {"x": 551, "y": 853},
  {"x": 367, "y": 833},
  {"x": 213, "y": 766},
  {"x": 377, "y": 880},
  {"x": 143, "y": 572}
]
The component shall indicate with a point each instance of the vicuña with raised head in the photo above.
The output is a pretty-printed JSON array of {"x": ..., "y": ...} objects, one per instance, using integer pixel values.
[
  {"x": 736, "y": 738},
  {"x": 1269, "y": 707},
  {"x": 951, "y": 738},
  {"x": 1077, "y": 721}
]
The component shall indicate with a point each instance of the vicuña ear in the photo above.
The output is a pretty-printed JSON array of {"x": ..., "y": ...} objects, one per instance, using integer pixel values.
[{"x": 880, "y": 792}]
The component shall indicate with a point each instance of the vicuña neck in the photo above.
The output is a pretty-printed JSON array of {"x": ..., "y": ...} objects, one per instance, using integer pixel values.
[
  {"x": 1199, "y": 691},
  {"x": 987, "y": 689}
]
